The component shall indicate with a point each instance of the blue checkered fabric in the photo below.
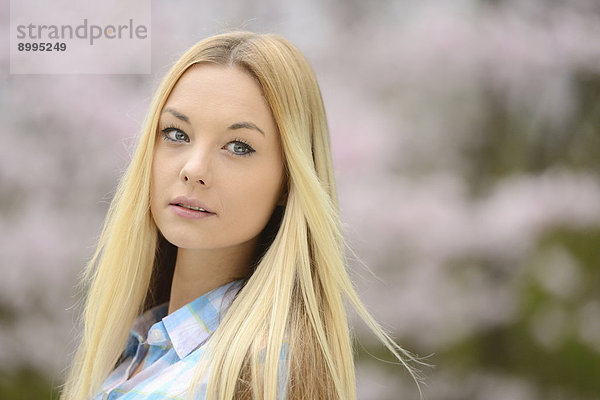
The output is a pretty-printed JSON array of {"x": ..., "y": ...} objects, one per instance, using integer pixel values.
[{"x": 169, "y": 347}]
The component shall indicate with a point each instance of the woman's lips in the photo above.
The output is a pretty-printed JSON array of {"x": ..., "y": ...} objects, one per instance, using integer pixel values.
[
  {"x": 191, "y": 207},
  {"x": 185, "y": 212},
  {"x": 190, "y": 203}
]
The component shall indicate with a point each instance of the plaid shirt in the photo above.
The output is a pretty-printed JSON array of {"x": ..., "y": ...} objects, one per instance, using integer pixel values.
[{"x": 172, "y": 345}]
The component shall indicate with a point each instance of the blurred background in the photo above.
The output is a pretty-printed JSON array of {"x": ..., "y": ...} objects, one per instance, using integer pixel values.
[{"x": 466, "y": 140}]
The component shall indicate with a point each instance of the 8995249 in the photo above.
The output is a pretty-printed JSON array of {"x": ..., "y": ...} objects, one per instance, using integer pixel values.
[{"x": 43, "y": 46}]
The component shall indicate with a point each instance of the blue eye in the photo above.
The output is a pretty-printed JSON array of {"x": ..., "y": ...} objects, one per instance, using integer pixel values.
[
  {"x": 239, "y": 148},
  {"x": 174, "y": 134}
]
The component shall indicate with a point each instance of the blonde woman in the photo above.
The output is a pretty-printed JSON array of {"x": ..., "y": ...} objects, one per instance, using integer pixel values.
[{"x": 220, "y": 270}]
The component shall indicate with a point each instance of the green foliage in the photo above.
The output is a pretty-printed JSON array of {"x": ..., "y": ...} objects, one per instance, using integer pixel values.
[
  {"x": 570, "y": 365},
  {"x": 26, "y": 384}
]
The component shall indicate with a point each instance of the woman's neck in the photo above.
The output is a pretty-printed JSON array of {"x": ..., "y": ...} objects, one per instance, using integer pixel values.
[{"x": 197, "y": 272}]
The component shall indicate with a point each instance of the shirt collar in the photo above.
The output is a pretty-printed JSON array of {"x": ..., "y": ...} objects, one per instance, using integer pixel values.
[
  {"x": 190, "y": 326},
  {"x": 141, "y": 327}
]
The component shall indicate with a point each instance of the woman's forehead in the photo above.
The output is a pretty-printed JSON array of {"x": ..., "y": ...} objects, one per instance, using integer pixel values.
[{"x": 225, "y": 86}]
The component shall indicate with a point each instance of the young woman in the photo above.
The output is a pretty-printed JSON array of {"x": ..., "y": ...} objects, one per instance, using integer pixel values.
[{"x": 228, "y": 212}]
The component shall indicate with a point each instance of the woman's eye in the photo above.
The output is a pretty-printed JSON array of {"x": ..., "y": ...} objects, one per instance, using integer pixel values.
[
  {"x": 175, "y": 135},
  {"x": 239, "y": 148}
]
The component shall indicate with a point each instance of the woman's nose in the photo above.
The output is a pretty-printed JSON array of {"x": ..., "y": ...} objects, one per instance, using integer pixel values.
[{"x": 197, "y": 168}]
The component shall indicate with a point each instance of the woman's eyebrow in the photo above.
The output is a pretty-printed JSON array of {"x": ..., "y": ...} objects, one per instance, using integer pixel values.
[
  {"x": 178, "y": 115},
  {"x": 237, "y": 125},
  {"x": 246, "y": 125}
]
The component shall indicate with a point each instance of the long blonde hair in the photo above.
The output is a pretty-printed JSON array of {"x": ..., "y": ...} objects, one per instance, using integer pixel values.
[{"x": 294, "y": 298}]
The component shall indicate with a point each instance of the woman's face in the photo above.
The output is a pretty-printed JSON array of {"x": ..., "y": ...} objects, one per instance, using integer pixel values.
[{"x": 217, "y": 171}]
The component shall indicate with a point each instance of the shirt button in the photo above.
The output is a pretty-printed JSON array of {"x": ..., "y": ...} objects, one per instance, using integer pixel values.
[{"x": 156, "y": 336}]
